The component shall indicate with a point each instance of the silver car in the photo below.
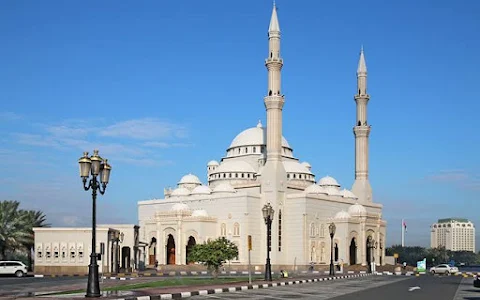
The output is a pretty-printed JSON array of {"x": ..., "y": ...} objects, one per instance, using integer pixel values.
[
  {"x": 443, "y": 269},
  {"x": 11, "y": 267}
]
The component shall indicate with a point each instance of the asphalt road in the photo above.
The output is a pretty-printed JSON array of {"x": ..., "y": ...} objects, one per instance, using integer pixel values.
[
  {"x": 366, "y": 288},
  {"x": 421, "y": 288},
  {"x": 12, "y": 285}
]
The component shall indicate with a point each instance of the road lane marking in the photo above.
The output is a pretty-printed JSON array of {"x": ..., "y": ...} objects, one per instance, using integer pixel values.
[{"x": 413, "y": 288}]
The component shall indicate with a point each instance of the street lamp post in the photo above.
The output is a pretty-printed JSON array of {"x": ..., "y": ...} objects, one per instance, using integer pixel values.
[
  {"x": 94, "y": 166},
  {"x": 331, "y": 229},
  {"x": 268, "y": 212},
  {"x": 371, "y": 244}
]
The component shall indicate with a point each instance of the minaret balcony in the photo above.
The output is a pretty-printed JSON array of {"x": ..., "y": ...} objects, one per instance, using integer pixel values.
[{"x": 273, "y": 60}]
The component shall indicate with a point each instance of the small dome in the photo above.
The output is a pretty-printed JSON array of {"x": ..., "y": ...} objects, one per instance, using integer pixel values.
[
  {"x": 357, "y": 210},
  {"x": 201, "y": 190},
  {"x": 224, "y": 187},
  {"x": 189, "y": 178},
  {"x": 212, "y": 163},
  {"x": 200, "y": 213},
  {"x": 293, "y": 166},
  {"x": 315, "y": 189},
  {"x": 181, "y": 191},
  {"x": 332, "y": 190},
  {"x": 179, "y": 207},
  {"x": 348, "y": 194},
  {"x": 342, "y": 215},
  {"x": 306, "y": 165},
  {"x": 327, "y": 180}
]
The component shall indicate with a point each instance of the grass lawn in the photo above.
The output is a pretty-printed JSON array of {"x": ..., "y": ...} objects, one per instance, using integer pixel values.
[{"x": 170, "y": 282}]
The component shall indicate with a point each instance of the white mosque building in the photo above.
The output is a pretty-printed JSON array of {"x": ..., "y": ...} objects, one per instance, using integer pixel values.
[{"x": 259, "y": 168}]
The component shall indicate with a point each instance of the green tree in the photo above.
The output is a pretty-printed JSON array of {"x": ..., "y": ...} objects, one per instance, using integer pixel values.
[
  {"x": 213, "y": 254},
  {"x": 12, "y": 228},
  {"x": 33, "y": 218}
]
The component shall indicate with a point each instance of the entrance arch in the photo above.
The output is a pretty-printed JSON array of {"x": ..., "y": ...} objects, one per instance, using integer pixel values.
[
  {"x": 170, "y": 250},
  {"x": 353, "y": 252},
  {"x": 368, "y": 250},
  {"x": 125, "y": 258},
  {"x": 188, "y": 248},
  {"x": 152, "y": 251}
]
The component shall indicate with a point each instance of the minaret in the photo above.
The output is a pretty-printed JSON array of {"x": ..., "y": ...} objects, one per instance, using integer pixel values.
[
  {"x": 361, "y": 186},
  {"x": 273, "y": 174}
]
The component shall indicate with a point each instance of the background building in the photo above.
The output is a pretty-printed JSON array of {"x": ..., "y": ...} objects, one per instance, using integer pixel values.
[
  {"x": 454, "y": 234},
  {"x": 61, "y": 250}
]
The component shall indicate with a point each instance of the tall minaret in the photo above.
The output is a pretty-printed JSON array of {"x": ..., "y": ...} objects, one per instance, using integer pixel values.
[
  {"x": 361, "y": 186},
  {"x": 273, "y": 174}
]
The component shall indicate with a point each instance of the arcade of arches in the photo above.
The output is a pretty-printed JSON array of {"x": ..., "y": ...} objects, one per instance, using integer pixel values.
[{"x": 170, "y": 250}]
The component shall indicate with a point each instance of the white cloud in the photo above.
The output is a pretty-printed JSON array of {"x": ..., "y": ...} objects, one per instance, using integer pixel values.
[
  {"x": 144, "y": 129},
  {"x": 460, "y": 178},
  {"x": 115, "y": 141},
  {"x": 10, "y": 116}
]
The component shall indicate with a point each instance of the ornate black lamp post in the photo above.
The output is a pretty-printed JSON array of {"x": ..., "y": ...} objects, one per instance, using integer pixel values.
[
  {"x": 331, "y": 229},
  {"x": 268, "y": 212},
  {"x": 95, "y": 166}
]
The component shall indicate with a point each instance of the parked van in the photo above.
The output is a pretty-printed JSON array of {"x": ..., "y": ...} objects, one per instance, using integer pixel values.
[{"x": 16, "y": 268}]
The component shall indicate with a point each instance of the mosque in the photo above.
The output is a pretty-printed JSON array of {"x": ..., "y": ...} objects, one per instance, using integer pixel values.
[{"x": 260, "y": 168}]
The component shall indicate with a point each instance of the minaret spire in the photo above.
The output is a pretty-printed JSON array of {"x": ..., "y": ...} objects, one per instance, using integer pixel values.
[
  {"x": 361, "y": 186},
  {"x": 274, "y": 100}
]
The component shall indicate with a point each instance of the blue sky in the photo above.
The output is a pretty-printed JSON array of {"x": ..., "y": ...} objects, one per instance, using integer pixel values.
[{"x": 162, "y": 87}]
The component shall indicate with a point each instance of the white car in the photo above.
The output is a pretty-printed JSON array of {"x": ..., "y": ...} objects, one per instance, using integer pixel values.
[
  {"x": 443, "y": 269},
  {"x": 11, "y": 267}
]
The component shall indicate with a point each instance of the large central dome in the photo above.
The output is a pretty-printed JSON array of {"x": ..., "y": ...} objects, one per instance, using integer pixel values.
[{"x": 255, "y": 136}]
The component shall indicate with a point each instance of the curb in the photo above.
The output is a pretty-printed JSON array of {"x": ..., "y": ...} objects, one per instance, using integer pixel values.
[{"x": 238, "y": 288}]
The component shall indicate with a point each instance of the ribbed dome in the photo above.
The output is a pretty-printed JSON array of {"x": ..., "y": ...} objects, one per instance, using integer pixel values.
[
  {"x": 328, "y": 181},
  {"x": 224, "y": 187},
  {"x": 189, "y": 178},
  {"x": 315, "y": 189},
  {"x": 348, "y": 194},
  {"x": 342, "y": 215},
  {"x": 212, "y": 163},
  {"x": 181, "y": 191},
  {"x": 255, "y": 136},
  {"x": 201, "y": 190},
  {"x": 357, "y": 210},
  {"x": 200, "y": 213},
  {"x": 179, "y": 207}
]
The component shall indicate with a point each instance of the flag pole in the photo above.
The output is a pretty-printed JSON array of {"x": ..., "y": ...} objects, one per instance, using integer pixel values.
[{"x": 403, "y": 234}]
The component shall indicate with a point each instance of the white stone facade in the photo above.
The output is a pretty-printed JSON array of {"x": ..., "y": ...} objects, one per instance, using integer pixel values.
[
  {"x": 63, "y": 250},
  {"x": 454, "y": 234},
  {"x": 259, "y": 167}
]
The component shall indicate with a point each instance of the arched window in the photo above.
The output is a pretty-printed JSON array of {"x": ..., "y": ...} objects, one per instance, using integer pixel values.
[
  {"x": 236, "y": 229},
  {"x": 246, "y": 150},
  {"x": 280, "y": 230},
  {"x": 223, "y": 229},
  {"x": 322, "y": 230},
  {"x": 254, "y": 149},
  {"x": 312, "y": 229},
  {"x": 236, "y": 175}
]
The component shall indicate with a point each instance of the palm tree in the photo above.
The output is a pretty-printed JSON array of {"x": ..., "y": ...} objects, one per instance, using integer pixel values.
[
  {"x": 33, "y": 218},
  {"x": 12, "y": 227}
]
